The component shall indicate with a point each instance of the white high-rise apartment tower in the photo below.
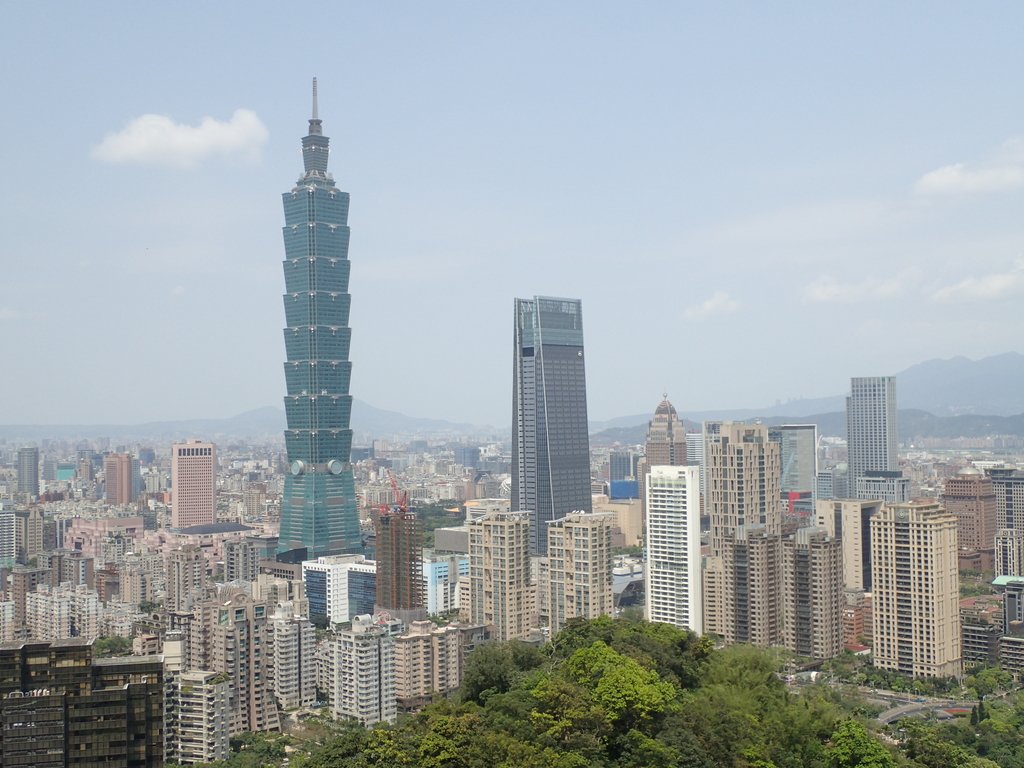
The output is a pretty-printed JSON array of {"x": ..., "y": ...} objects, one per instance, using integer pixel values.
[{"x": 673, "y": 546}]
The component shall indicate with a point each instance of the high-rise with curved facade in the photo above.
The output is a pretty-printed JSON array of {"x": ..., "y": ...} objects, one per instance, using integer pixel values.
[{"x": 318, "y": 508}]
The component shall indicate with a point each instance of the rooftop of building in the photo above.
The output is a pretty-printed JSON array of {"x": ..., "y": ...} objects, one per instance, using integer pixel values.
[
  {"x": 665, "y": 408},
  {"x": 124, "y": 661},
  {"x": 1002, "y": 581},
  {"x": 213, "y": 528},
  {"x": 68, "y": 642}
]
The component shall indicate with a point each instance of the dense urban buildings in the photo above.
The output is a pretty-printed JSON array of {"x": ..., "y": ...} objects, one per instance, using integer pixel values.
[
  {"x": 196, "y": 717},
  {"x": 550, "y": 434},
  {"x": 916, "y": 590},
  {"x": 194, "y": 484},
  {"x": 673, "y": 561},
  {"x": 318, "y": 507}
]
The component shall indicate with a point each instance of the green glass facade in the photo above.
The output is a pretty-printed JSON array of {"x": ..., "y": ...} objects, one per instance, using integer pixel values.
[{"x": 318, "y": 510}]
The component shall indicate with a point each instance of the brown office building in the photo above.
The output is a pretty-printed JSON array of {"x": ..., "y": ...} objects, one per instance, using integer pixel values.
[
  {"x": 117, "y": 477},
  {"x": 665, "y": 446},
  {"x": 971, "y": 496}
]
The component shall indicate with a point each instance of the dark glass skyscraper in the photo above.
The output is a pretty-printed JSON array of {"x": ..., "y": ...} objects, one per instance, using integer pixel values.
[
  {"x": 550, "y": 439},
  {"x": 318, "y": 509}
]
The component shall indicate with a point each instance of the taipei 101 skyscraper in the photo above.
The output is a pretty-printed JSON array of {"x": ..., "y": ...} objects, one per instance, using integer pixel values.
[{"x": 318, "y": 509}]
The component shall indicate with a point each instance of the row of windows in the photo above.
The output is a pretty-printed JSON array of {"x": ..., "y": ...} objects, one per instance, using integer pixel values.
[{"x": 195, "y": 451}]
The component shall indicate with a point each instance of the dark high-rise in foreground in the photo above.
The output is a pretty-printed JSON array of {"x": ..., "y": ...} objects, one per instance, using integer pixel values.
[
  {"x": 61, "y": 707},
  {"x": 318, "y": 509},
  {"x": 551, "y": 443}
]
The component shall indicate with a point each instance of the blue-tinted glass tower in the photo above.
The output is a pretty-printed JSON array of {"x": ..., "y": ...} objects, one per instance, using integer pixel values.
[
  {"x": 318, "y": 509},
  {"x": 550, "y": 435}
]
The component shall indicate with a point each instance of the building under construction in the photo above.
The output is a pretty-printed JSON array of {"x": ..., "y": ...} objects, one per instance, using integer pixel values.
[{"x": 399, "y": 555}]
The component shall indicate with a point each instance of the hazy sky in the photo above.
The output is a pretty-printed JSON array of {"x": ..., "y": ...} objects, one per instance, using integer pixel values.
[{"x": 754, "y": 201}]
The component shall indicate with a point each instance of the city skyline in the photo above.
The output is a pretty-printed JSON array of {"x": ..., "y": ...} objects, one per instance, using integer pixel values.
[{"x": 485, "y": 148}]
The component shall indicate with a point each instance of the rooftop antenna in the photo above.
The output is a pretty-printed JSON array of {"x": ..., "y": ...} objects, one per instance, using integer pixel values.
[{"x": 315, "y": 115}]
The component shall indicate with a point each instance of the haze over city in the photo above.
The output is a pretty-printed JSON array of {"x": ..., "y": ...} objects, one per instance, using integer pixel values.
[{"x": 805, "y": 193}]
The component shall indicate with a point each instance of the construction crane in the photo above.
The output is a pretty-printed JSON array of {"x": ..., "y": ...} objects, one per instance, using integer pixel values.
[{"x": 400, "y": 499}]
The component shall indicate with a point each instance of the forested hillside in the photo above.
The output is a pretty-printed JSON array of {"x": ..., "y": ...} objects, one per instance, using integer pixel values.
[{"x": 628, "y": 694}]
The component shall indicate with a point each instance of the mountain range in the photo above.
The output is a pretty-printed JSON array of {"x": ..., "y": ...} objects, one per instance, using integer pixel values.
[
  {"x": 947, "y": 398},
  {"x": 262, "y": 423},
  {"x": 991, "y": 386}
]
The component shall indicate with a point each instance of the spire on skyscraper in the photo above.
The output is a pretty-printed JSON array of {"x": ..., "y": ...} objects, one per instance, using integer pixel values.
[
  {"x": 315, "y": 123},
  {"x": 315, "y": 146}
]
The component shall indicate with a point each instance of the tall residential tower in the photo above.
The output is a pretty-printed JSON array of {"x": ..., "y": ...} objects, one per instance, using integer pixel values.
[
  {"x": 550, "y": 438},
  {"x": 916, "y": 590},
  {"x": 318, "y": 508}
]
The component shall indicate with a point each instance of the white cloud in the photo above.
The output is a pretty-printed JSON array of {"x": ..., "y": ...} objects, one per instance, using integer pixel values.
[
  {"x": 721, "y": 303},
  {"x": 158, "y": 140},
  {"x": 1004, "y": 171},
  {"x": 991, "y": 286},
  {"x": 828, "y": 289}
]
